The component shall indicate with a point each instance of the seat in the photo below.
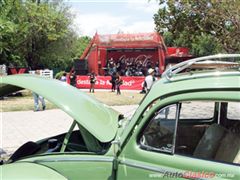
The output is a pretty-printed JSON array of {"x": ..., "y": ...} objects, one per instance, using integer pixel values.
[
  {"x": 229, "y": 149},
  {"x": 210, "y": 141}
]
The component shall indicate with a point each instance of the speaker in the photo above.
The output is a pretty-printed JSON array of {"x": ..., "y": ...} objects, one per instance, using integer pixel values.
[{"x": 81, "y": 66}]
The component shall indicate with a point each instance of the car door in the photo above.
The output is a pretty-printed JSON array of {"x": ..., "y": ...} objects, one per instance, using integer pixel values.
[{"x": 151, "y": 151}]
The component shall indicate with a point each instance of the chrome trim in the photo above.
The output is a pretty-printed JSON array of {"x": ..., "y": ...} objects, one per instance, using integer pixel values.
[
  {"x": 67, "y": 136},
  {"x": 141, "y": 166},
  {"x": 176, "y": 125},
  {"x": 66, "y": 159},
  {"x": 205, "y": 75},
  {"x": 219, "y": 112},
  {"x": 116, "y": 147},
  {"x": 168, "y": 74},
  {"x": 151, "y": 168}
]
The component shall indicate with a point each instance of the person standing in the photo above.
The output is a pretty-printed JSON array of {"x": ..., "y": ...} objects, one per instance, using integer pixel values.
[
  {"x": 64, "y": 77},
  {"x": 38, "y": 98},
  {"x": 73, "y": 78},
  {"x": 92, "y": 79},
  {"x": 119, "y": 82},
  {"x": 149, "y": 80},
  {"x": 113, "y": 81}
]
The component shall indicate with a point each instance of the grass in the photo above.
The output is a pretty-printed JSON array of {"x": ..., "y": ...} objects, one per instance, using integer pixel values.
[{"x": 25, "y": 102}]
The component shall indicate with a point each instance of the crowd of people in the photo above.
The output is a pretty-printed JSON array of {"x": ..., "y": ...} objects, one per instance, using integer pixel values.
[
  {"x": 122, "y": 68},
  {"x": 115, "y": 80},
  {"x": 130, "y": 68}
]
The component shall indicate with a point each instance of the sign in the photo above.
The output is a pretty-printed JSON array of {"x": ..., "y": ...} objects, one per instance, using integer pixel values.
[
  {"x": 143, "y": 56},
  {"x": 127, "y": 37},
  {"x": 103, "y": 82},
  {"x": 177, "y": 51}
]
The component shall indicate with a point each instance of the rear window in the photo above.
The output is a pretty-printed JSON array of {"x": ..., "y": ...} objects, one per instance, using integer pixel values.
[
  {"x": 233, "y": 111},
  {"x": 197, "y": 110}
]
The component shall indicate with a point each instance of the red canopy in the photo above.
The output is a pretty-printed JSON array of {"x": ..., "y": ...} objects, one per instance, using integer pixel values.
[
  {"x": 147, "y": 47},
  {"x": 139, "y": 40}
]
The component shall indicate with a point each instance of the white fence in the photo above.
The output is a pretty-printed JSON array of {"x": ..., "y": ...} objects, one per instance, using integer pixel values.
[{"x": 45, "y": 73}]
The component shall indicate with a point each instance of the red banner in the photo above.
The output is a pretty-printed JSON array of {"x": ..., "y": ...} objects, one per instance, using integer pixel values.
[{"x": 103, "y": 82}]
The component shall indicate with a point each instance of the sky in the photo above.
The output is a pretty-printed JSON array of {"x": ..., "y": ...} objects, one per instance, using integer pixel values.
[{"x": 111, "y": 17}]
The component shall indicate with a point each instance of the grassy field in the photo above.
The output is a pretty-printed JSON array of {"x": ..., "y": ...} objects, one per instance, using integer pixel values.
[{"x": 25, "y": 102}]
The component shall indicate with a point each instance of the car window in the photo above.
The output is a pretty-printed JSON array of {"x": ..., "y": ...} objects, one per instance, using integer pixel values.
[
  {"x": 233, "y": 111},
  {"x": 197, "y": 110},
  {"x": 208, "y": 140},
  {"x": 159, "y": 133}
]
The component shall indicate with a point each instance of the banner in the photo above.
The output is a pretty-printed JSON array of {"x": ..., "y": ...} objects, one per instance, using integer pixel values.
[{"x": 103, "y": 82}]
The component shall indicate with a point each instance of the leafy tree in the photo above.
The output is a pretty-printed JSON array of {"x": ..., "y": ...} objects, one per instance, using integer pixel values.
[
  {"x": 81, "y": 44},
  {"x": 38, "y": 33},
  {"x": 205, "y": 26},
  {"x": 12, "y": 29},
  {"x": 62, "y": 52}
]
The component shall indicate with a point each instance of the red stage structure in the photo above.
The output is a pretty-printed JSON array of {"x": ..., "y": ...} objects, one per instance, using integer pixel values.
[
  {"x": 144, "y": 47},
  {"x": 149, "y": 48}
]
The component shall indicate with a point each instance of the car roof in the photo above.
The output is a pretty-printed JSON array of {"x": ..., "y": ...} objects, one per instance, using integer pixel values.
[
  {"x": 226, "y": 75},
  {"x": 100, "y": 120},
  {"x": 210, "y": 80}
]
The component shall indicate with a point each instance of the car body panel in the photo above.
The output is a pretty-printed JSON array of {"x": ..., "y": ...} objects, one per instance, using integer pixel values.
[
  {"x": 86, "y": 167},
  {"x": 75, "y": 166},
  {"x": 100, "y": 120},
  {"x": 126, "y": 156},
  {"x": 162, "y": 88},
  {"x": 25, "y": 170},
  {"x": 144, "y": 164}
]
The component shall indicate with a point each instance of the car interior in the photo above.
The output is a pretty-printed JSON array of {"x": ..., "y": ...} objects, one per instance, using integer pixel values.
[
  {"x": 200, "y": 129},
  {"x": 76, "y": 140}
]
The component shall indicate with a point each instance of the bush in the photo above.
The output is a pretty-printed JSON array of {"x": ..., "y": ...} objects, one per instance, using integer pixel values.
[{"x": 59, "y": 75}]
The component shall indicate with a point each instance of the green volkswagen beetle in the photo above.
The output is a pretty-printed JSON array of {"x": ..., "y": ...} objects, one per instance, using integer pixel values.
[{"x": 186, "y": 127}]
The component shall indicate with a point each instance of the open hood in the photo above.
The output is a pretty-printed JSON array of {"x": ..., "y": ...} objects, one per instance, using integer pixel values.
[{"x": 100, "y": 120}]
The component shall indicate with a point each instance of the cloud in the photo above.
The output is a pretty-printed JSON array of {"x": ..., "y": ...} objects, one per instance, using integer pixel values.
[
  {"x": 139, "y": 26},
  {"x": 103, "y": 23},
  {"x": 88, "y": 24},
  {"x": 143, "y": 5},
  {"x": 107, "y": 23}
]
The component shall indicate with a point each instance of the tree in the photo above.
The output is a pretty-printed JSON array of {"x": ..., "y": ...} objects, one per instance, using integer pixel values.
[
  {"x": 49, "y": 23},
  {"x": 12, "y": 32},
  {"x": 37, "y": 33},
  {"x": 60, "y": 54},
  {"x": 200, "y": 23}
]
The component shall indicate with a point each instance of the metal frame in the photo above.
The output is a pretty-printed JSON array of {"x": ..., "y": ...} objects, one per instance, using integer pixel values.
[
  {"x": 169, "y": 73},
  {"x": 67, "y": 137}
]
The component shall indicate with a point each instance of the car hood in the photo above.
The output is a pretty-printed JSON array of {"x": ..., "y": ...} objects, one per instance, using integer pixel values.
[
  {"x": 28, "y": 171},
  {"x": 100, "y": 120}
]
